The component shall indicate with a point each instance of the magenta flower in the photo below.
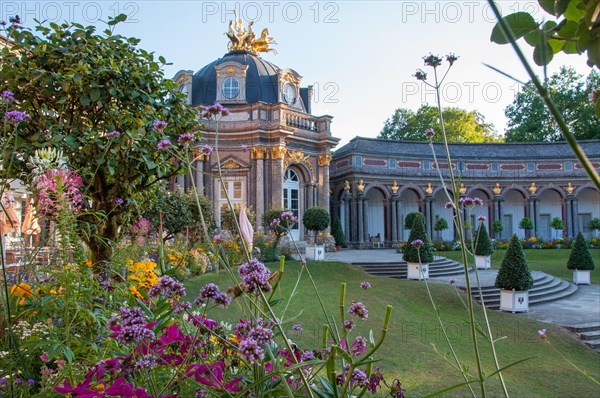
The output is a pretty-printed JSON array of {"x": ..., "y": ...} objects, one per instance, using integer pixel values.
[
  {"x": 58, "y": 190},
  {"x": 142, "y": 227},
  {"x": 418, "y": 243},
  {"x": 275, "y": 223},
  {"x": 7, "y": 96},
  {"x": 452, "y": 281},
  {"x": 185, "y": 138},
  {"x": 113, "y": 134},
  {"x": 206, "y": 150},
  {"x": 359, "y": 346},
  {"x": 358, "y": 310},
  {"x": 542, "y": 334},
  {"x": 449, "y": 205},
  {"x": 255, "y": 276},
  {"x": 159, "y": 125},
  {"x": 215, "y": 110},
  {"x": 16, "y": 117},
  {"x": 430, "y": 132},
  {"x": 349, "y": 325},
  {"x": 365, "y": 285},
  {"x": 44, "y": 357},
  {"x": 162, "y": 144},
  {"x": 481, "y": 218},
  {"x": 211, "y": 375}
]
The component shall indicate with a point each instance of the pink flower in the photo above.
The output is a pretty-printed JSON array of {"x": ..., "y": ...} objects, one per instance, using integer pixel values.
[
  {"x": 159, "y": 125},
  {"x": 162, "y": 144},
  {"x": 452, "y": 281},
  {"x": 429, "y": 133},
  {"x": 206, "y": 150},
  {"x": 481, "y": 218},
  {"x": 542, "y": 334},
  {"x": 185, "y": 138},
  {"x": 113, "y": 134},
  {"x": 449, "y": 205},
  {"x": 418, "y": 243},
  {"x": 244, "y": 148},
  {"x": 365, "y": 285},
  {"x": 359, "y": 310},
  {"x": 215, "y": 110}
]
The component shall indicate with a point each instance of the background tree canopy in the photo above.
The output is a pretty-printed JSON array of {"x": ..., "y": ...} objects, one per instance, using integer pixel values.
[
  {"x": 461, "y": 125},
  {"x": 530, "y": 120}
]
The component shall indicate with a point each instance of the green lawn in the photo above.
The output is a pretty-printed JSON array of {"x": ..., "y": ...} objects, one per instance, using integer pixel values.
[
  {"x": 414, "y": 331},
  {"x": 550, "y": 261}
]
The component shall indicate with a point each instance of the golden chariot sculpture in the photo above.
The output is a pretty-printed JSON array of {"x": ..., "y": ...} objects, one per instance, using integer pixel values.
[{"x": 244, "y": 39}]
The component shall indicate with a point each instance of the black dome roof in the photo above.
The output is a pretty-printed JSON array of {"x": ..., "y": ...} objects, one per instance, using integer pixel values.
[{"x": 261, "y": 79}]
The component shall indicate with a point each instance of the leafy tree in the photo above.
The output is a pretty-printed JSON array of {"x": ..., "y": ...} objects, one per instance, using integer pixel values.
[
  {"x": 409, "y": 220},
  {"x": 497, "y": 228},
  {"x": 267, "y": 221},
  {"x": 557, "y": 224},
  {"x": 229, "y": 218},
  {"x": 440, "y": 225},
  {"x": 338, "y": 232},
  {"x": 594, "y": 224},
  {"x": 316, "y": 219},
  {"x": 575, "y": 30},
  {"x": 526, "y": 224},
  {"x": 413, "y": 254},
  {"x": 175, "y": 209},
  {"x": 461, "y": 125},
  {"x": 580, "y": 258},
  {"x": 514, "y": 273},
  {"x": 530, "y": 120},
  {"x": 77, "y": 86},
  {"x": 483, "y": 246}
]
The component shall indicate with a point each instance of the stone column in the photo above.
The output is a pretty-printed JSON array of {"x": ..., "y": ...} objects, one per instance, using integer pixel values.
[
  {"x": 366, "y": 218},
  {"x": 497, "y": 214},
  {"x": 360, "y": 219},
  {"x": 347, "y": 198},
  {"x": 323, "y": 161},
  {"x": 429, "y": 216},
  {"x": 571, "y": 216},
  {"x": 394, "y": 216},
  {"x": 276, "y": 182},
  {"x": 199, "y": 175},
  {"x": 534, "y": 213},
  {"x": 258, "y": 156}
]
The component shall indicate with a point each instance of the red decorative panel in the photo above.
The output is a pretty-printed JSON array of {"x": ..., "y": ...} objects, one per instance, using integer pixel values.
[
  {"x": 484, "y": 167},
  {"x": 341, "y": 163},
  {"x": 550, "y": 166},
  {"x": 512, "y": 167},
  {"x": 594, "y": 165},
  {"x": 375, "y": 162},
  {"x": 407, "y": 165}
]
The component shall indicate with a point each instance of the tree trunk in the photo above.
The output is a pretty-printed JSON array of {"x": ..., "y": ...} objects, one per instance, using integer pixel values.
[{"x": 100, "y": 243}]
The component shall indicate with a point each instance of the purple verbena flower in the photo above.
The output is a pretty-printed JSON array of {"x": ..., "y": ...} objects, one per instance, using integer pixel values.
[
  {"x": 215, "y": 110},
  {"x": 185, "y": 138},
  {"x": 289, "y": 217},
  {"x": 119, "y": 201},
  {"x": 7, "y": 96},
  {"x": 159, "y": 125},
  {"x": 133, "y": 327},
  {"x": 429, "y": 133},
  {"x": 262, "y": 336},
  {"x": 275, "y": 223},
  {"x": 113, "y": 134},
  {"x": 349, "y": 325},
  {"x": 452, "y": 58},
  {"x": 365, "y": 285},
  {"x": 307, "y": 356},
  {"x": 418, "y": 243},
  {"x": 244, "y": 148},
  {"x": 481, "y": 218},
  {"x": 255, "y": 276},
  {"x": 16, "y": 117},
  {"x": 181, "y": 306},
  {"x": 162, "y": 144},
  {"x": 251, "y": 351},
  {"x": 359, "y": 378},
  {"x": 449, "y": 205},
  {"x": 297, "y": 328},
  {"x": 432, "y": 60},
  {"x": 359, "y": 310},
  {"x": 167, "y": 287},
  {"x": 206, "y": 150},
  {"x": 211, "y": 291}
]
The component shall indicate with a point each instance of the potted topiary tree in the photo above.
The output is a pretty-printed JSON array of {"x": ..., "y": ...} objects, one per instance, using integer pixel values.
[
  {"x": 497, "y": 228},
  {"x": 483, "y": 248},
  {"x": 417, "y": 251},
  {"x": 440, "y": 225},
  {"x": 338, "y": 234},
  {"x": 316, "y": 219},
  {"x": 557, "y": 225},
  {"x": 580, "y": 261},
  {"x": 514, "y": 279},
  {"x": 594, "y": 225},
  {"x": 527, "y": 225}
]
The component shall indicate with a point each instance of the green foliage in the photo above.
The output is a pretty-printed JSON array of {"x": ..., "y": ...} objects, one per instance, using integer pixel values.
[
  {"x": 514, "y": 273},
  {"x": 575, "y": 30},
  {"x": 229, "y": 218},
  {"x": 338, "y": 232},
  {"x": 526, "y": 224},
  {"x": 497, "y": 226},
  {"x": 580, "y": 258},
  {"x": 483, "y": 245},
  {"x": 268, "y": 218},
  {"x": 316, "y": 219},
  {"x": 413, "y": 254},
  {"x": 441, "y": 224},
  {"x": 409, "y": 220},
  {"x": 461, "y": 125},
  {"x": 530, "y": 120},
  {"x": 196, "y": 230},
  {"x": 176, "y": 214},
  {"x": 77, "y": 86},
  {"x": 594, "y": 224},
  {"x": 557, "y": 223}
]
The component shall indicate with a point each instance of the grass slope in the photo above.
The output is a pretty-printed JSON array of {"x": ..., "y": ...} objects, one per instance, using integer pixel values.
[
  {"x": 550, "y": 261},
  {"x": 414, "y": 332}
]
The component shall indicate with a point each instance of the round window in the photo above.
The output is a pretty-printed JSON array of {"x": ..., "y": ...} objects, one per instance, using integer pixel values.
[
  {"x": 231, "y": 88},
  {"x": 289, "y": 93}
]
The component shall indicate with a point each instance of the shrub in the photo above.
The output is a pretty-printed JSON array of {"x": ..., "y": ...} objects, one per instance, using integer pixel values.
[
  {"x": 338, "y": 232},
  {"x": 410, "y": 219},
  {"x": 413, "y": 254},
  {"x": 440, "y": 225},
  {"x": 557, "y": 223},
  {"x": 526, "y": 224},
  {"x": 316, "y": 219},
  {"x": 580, "y": 258},
  {"x": 483, "y": 246},
  {"x": 594, "y": 224},
  {"x": 497, "y": 226},
  {"x": 227, "y": 218},
  {"x": 514, "y": 273},
  {"x": 267, "y": 221}
]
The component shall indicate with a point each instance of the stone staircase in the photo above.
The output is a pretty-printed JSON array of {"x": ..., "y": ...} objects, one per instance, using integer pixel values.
[
  {"x": 545, "y": 288},
  {"x": 440, "y": 267},
  {"x": 589, "y": 333}
]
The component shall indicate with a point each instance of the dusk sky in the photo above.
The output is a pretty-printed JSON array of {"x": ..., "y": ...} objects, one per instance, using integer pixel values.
[{"x": 359, "y": 55}]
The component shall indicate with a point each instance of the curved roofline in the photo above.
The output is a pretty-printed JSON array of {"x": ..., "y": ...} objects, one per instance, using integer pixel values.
[{"x": 358, "y": 137}]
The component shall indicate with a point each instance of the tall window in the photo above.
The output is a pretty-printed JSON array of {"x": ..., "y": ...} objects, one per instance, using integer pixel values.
[
  {"x": 235, "y": 189},
  {"x": 291, "y": 197},
  {"x": 231, "y": 88}
]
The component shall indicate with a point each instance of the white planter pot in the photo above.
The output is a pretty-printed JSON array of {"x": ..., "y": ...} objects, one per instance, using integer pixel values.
[
  {"x": 483, "y": 262},
  {"x": 514, "y": 300},
  {"x": 581, "y": 277},
  {"x": 417, "y": 271},
  {"x": 315, "y": 252}
]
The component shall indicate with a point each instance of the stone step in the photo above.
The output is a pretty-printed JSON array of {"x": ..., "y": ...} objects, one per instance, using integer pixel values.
[
  {"x": 593, "y": 335},
  {"x": 583, "y": 327},
  {"x": 538, "y": 283},
  {"x": 398, "y": 270},
  {"x": 594, "y": 344}
]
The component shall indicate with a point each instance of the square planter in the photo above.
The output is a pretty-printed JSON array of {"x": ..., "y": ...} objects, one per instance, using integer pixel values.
[
  {"x": 483, "y": 262},
  {"x": 417, "y": 271},
  {"x": 315, "y": 252},
  {"x": 514, "y": 300},
  {"x": 581, "y": 277}
]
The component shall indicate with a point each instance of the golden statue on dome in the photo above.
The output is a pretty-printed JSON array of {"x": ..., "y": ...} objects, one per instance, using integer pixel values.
[{"x": 244, "y": 39}]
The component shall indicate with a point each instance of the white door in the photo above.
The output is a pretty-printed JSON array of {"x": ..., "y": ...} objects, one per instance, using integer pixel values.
[{"x": 291, "y": 199}]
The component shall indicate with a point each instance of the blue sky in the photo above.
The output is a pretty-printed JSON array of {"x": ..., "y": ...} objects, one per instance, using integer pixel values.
[{"x": 359, "y": 55}]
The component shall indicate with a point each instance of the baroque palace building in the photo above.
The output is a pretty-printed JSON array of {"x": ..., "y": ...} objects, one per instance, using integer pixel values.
[{"x": 276, "y": 154}]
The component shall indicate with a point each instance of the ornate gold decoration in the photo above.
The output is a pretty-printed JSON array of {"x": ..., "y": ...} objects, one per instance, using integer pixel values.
[
  {"x": 462, "y": 190},
  {"x": 570, "y": 188},
  {"x": 183, "y": 79},
  {"x": 360, "y": 187},
  {"x": 497, "y": 190},
  {"x": 395, "y": 187},
  {"x": 231, "y": 164},
  {"x": 429, "y": 189},
  {"x": 230, "y": 70},
  {"x": 278, "y": 152},
  {"x": 323, "y": 160},
  {"x": 297, "y": 157},
  {"x": 346, "y": 186},
  {"x": 532, "y": 188},
  {"x": 198, "y": 155},
  {"x": 259, "y": 152},
  {"x": 241, "y": 38},
  {"x": 290, "y": 78}
]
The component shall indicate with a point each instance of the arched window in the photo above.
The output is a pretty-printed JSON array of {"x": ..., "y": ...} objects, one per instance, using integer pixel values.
[
  {"x": 291, "y": 197},
  {"x": 231, "y": 88}
]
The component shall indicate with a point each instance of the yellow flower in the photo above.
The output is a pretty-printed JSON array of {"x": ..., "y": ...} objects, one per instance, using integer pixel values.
[
  {"x": 135, "y": 292},
  {"x": 21, "y": 290},
  {"x": 88, "y": 262}
]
